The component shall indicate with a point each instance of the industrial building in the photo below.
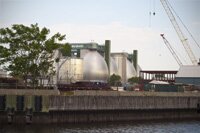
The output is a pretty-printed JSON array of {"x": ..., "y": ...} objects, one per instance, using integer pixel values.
[
  {"x": 187, "y": 78},
  {"x": 189, "y": 74},
  {"x": 78, "y": 49},
  {"x": 126, "y": 69},
  {"x": 91, "y": 62}
]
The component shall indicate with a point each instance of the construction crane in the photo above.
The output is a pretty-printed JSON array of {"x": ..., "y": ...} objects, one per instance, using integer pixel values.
[
  {"x": 171, "y": 50},
  {"x": 179, "y": 32}
]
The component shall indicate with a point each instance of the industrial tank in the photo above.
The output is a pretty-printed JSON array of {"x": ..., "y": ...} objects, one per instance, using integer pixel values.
[
  {"x": 71, "y": 70},
  {"x": 130, "y": 70},
  {"x": 94, "y": 67},
  {"x": 126, "y": 69}
]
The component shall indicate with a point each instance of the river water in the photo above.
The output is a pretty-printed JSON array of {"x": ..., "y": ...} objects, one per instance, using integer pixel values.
[{"x": 191, "y": 126}]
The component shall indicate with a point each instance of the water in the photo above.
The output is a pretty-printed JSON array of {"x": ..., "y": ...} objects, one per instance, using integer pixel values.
[{"x": 128, "y": 127}]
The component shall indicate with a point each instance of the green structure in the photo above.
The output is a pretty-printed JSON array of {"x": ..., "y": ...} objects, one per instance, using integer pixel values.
[
  {"x": 107, "y": 54},
  {"x": 77, "y": 47},
  {"x": 135, "y": 59}
]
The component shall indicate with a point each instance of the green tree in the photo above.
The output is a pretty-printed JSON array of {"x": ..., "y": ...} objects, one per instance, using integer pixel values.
[
  {"x": 28, "y": 51},
  {"x": 65, "y": 50},
  {"x": 134, "y": 80},
  {"x": 115, "y": 80}
]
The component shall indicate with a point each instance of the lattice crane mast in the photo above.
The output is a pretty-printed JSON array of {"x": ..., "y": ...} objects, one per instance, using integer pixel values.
[
  {"x": 179, "y": 32},
  {"x": 171, "y": 50}
]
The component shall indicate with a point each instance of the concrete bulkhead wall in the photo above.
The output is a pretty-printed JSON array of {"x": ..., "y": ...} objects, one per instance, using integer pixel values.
[
  {"x": 67, "y": 103},
  {"x": 89, "y": 106},
  {"x": 103, "y": 116}
]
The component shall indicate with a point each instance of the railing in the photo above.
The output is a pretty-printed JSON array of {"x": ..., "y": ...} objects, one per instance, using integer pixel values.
[{"x": 8, "y": 85}]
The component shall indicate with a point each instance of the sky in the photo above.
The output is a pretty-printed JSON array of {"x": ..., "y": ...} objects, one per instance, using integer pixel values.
[{"x": 127, "y": 23}]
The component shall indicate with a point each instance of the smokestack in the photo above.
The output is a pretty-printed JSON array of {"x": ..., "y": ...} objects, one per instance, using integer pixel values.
[
  {"x": 107, "y": 54},
  {"x": 135, "y": 59}
]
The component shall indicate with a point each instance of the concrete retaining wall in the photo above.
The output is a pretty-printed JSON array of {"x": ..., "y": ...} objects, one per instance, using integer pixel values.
[
  {"x": 89, "y": 106},
  {"x": 102, "y": 116},
  {"x": 121, "y": 102}
]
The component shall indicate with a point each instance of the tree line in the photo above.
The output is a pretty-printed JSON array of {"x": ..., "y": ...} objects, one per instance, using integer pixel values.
[{"x": 26, "y": 52}]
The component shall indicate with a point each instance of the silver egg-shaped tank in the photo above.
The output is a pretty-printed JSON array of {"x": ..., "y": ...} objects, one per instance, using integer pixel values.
[
  {"x": 113, "y": 67},
  {"x": 94, "y": 67},
  {"x": 130, "y": 70},
  {"x": 71, "y": 70}
]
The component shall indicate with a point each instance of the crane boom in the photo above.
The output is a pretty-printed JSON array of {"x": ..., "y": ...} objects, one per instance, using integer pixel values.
[
  {"x": 179, "y": 32},
  {"x": 171, "y": 50}
]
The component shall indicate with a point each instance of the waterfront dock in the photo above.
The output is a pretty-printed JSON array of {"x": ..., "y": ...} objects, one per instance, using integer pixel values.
[{"x": 95, "y": 106}]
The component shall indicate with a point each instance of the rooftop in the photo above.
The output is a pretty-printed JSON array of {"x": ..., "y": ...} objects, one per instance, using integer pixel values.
[{"x": 189, "y": 71}]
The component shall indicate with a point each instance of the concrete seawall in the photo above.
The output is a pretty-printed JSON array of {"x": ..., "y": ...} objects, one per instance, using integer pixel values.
[
  {"x": 90, "y": 106},
  {"x": 62, "y": 103}
]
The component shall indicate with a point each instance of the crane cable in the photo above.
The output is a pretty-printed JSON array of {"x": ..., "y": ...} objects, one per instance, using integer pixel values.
[
  {"x": 151, "y": 10},
  {"x": 150, "y": 13},
  {"x": 183, "y": 24},
  {"x": 179, "y": 55}
]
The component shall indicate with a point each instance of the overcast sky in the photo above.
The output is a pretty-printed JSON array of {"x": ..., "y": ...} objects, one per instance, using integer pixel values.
[{"x": 127, "y": 23}]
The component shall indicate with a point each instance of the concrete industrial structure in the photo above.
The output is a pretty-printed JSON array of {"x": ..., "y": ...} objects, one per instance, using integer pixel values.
[
  {"x": 125, "y": 67},
  {"x": 78, "y": 48},
  {"x": 97, "y": 63}
]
